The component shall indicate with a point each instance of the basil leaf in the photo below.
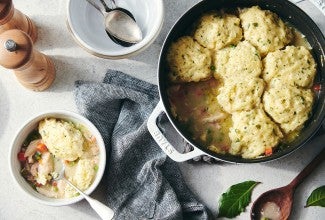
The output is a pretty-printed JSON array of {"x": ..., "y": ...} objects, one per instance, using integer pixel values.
[
  {"x": 317, "y": 197},
  {"x": 235, "y": 200}
]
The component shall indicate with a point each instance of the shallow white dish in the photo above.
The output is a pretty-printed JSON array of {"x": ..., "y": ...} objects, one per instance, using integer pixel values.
[
  {"x": 20, "y": 137},
  {"x": 86, "y": 25}
]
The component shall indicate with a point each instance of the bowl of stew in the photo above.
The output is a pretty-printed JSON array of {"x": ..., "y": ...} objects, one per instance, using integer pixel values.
[
  {"x": 44, "y": 143},
  {"x": 241, "y": 81}
]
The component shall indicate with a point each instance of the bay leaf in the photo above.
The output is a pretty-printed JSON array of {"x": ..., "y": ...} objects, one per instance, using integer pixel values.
[
  {"x": 317, "y": 197},
  {"x": 236, "y": 199}
]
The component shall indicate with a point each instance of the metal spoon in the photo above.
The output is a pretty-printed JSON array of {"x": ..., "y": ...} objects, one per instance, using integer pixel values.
[
  {"x": 102, "y": 210},
  {"x": 114, "y": 39},
  {"x": 119, "y": 23},
  {"x": 281, "y": 199}
]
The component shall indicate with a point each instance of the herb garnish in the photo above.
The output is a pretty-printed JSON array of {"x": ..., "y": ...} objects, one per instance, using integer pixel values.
[
  {"x": 317, "y": 197},
  {"x": 235, "y": 200}
]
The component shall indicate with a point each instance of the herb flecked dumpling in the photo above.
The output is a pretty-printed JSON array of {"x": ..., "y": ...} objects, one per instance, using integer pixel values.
[
  {"x": 264, "y": 29},
  {"x": 62, "y": 138},
  {"x": 188, "y": 61},
  {"x": 241, "y": 95},
  {"x": 292, "y": 66},
  {"x": 288, "y": 105},
  {"x": 217, "y": 31},
  {"x": 237, "y": 61},
  {"x": 252, "y": 133}
]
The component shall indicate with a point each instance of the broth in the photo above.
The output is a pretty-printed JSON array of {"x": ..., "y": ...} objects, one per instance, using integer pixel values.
[{"x": 195, "y": 106}]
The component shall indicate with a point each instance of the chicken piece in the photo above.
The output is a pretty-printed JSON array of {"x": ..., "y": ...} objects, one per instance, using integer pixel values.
[{"x": 45, "y": 167}]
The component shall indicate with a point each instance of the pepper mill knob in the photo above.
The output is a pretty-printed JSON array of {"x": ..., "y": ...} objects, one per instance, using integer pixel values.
[
  {"x": 33, "y": 69},
  {"x": 11, "y": 18},
  {"x": 10, "y": 45}
]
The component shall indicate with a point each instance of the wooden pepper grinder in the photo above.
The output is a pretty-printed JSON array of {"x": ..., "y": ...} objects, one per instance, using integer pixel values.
[
  {"x": 33, "y": 69},
  {"x": 11, "y": 18}
]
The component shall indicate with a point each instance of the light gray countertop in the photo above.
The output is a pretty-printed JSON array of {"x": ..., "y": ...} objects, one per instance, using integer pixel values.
[{"x": 72, "y": 63}]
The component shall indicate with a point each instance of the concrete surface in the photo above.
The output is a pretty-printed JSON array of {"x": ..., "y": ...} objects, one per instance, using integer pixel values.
[{"x": 72, "y": 63}]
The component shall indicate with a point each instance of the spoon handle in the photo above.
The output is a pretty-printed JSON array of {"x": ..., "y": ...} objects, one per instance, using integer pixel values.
[
  {"x": 107, "y": 9},
  {"x": 113, "y": 3},
  {"x": 99, "y": 8},
  {"x": 102, "y": 210},
  {"x": 308, "y": 169}
]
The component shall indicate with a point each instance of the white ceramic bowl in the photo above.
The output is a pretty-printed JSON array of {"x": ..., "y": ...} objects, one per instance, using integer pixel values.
[
  {"x": 86, "y": 25},
  {"x": 21, "y": 135}
]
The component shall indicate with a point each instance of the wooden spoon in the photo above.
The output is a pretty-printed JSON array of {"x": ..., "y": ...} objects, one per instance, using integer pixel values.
[{"x": 279, "y": 201}]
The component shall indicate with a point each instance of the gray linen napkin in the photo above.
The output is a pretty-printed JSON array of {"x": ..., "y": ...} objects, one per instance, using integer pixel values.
[{"x": 142, "y": 182}]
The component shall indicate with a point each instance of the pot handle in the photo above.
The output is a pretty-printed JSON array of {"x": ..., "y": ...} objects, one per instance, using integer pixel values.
[{"x": 163, "y": 142}]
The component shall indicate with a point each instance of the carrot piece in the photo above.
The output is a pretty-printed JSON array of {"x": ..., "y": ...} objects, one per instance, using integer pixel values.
[
  {"x": 268, "y": 151},
  {"x": 41, "y": 147}
]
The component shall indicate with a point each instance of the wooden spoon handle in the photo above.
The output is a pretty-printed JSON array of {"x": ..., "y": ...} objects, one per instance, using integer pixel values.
[{"x": 308, "y": 169}]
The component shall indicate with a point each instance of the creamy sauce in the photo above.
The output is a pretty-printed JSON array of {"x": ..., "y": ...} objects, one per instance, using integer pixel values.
[
  {"x": 271, "y": 211},
  {"x": 196, "y": 107},
  {"x": 300, "y": 39}
]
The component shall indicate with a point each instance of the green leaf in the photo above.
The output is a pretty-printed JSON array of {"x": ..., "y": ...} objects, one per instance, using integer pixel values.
[
  {"x": 235, "y": 200},
  {"x": 317, "y": 197}
]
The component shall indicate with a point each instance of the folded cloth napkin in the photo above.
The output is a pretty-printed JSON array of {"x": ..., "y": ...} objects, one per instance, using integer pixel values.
[{"x": 142, "y": 182}]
